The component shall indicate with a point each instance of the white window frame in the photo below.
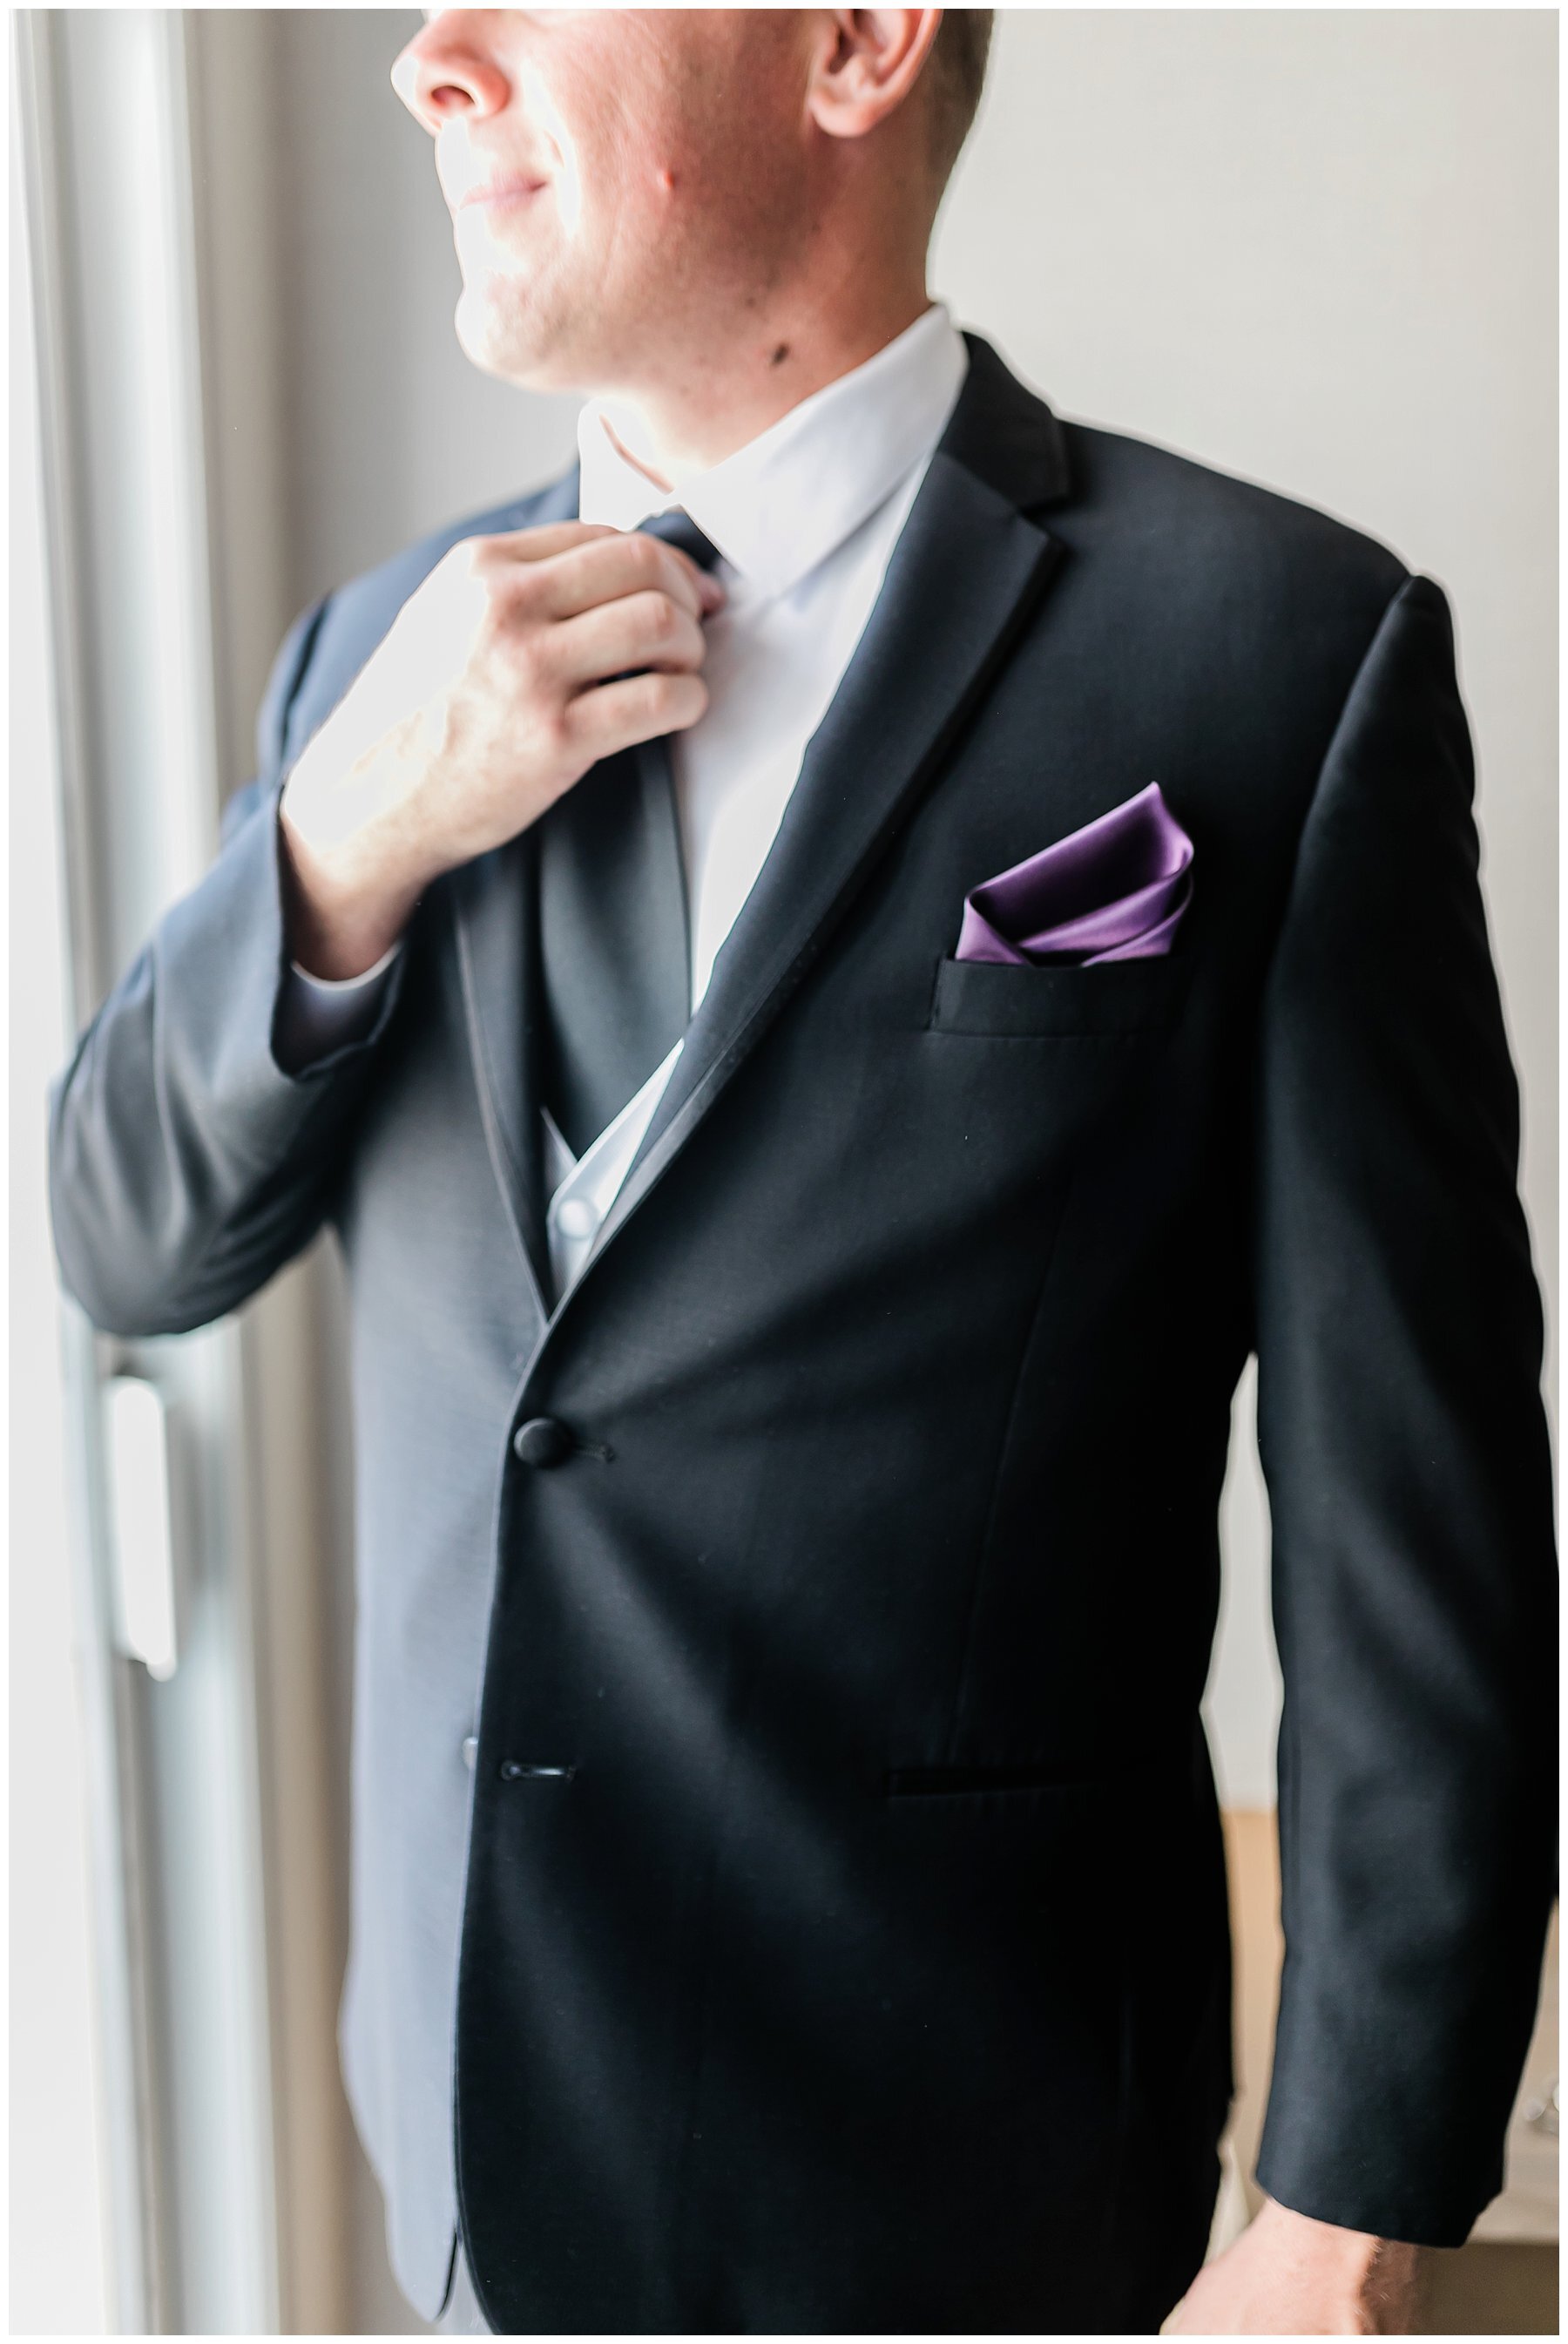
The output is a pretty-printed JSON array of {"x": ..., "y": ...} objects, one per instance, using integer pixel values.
[{"x": 182, "y": 2098}]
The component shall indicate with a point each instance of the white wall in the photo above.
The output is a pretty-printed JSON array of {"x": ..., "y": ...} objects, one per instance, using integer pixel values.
[{"x": 1314, "y": 247}]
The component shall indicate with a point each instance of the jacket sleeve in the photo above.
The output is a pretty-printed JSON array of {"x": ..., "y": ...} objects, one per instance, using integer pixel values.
[
  {"x": 185, "y": 1166},
  {"x": 1403, "y": 1440}
]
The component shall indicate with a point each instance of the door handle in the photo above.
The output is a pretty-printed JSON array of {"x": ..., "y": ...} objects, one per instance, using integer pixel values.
[{"x": 143, "y": 1524}]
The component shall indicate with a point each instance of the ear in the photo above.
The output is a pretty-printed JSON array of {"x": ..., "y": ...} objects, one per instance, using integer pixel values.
[{"x": 868, "y": 67}]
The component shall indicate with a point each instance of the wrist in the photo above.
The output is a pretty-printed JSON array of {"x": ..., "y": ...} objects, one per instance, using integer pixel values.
[
  {"x": 344, "y": 908},
  {"x": 1326, "y": 2242},
  {"x": 1357, "y": 2261},
  {"x": 1289, "y": 2274}
]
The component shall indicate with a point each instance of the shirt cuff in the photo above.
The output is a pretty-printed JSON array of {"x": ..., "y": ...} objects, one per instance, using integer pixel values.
[{"x": 319, "y": 1015}]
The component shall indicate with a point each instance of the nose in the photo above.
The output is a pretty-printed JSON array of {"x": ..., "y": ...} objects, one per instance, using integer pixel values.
[{"x": 448, "y": 70}]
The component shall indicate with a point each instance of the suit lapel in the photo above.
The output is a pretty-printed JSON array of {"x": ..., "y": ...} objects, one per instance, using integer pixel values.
[
  {"x": 968, "y": 571},
  {"x": 493, "y": 902}
]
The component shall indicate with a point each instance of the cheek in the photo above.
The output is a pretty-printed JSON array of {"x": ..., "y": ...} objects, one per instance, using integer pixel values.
[
  {"x": 550, "y": 121},
  {"x": 634, "y": 196}
]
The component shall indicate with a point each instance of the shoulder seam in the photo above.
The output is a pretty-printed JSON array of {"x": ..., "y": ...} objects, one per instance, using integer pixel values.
[{"x": 1408, "y": 581}]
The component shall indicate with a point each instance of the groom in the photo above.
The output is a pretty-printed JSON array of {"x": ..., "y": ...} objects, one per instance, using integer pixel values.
[{"x": 835, "y": 973}]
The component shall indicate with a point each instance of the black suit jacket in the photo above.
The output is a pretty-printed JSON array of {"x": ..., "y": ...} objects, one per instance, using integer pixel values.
[{"x": 861, "y": 1960}]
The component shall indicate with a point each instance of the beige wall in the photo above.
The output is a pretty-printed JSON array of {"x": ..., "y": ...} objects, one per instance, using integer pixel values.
[{"x": 1313, "y": 248}]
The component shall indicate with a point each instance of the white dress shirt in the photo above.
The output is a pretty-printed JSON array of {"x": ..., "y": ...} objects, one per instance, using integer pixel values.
[{"x": 805, "y": 518}]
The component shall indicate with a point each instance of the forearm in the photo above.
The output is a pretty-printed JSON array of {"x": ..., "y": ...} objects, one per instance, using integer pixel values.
[{"x": 187, "y": 1164}]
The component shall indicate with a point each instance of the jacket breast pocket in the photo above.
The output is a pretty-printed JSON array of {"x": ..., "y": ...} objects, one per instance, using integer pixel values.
[{"x": 1120, "y": 997}]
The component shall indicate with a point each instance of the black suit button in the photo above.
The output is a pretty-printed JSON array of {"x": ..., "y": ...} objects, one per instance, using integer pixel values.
[{"x": 543, "y": 1441}]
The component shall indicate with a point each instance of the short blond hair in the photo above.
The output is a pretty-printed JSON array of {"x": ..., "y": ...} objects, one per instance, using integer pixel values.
[{"x": 957, "y": 65}]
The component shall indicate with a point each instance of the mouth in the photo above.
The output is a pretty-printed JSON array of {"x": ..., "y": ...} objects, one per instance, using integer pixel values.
[{"x": 499, "y": 194}]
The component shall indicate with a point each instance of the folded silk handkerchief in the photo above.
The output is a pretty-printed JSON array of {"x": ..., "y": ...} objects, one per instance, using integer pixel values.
[{"x": 1114, "y": 890}]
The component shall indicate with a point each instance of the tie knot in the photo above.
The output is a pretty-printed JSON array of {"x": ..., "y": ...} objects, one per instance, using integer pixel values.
[{"x": 677, "y": 528}]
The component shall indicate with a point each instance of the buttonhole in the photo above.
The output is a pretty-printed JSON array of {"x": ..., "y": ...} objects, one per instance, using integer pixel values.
[{"x": 519, "y": 1769}]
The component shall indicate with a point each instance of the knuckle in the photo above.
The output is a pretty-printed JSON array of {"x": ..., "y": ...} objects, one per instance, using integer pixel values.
[
  {"x": 488, "y": 610},
  {"x": 647, "y": 555},
  {"x": 660, "y": 619},
  {"x": 516, "y": 591},
  {"x": 677, "y": 699}
]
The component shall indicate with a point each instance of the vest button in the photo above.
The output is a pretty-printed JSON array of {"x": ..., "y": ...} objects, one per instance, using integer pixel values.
[{"x": 544, "y": 1441}]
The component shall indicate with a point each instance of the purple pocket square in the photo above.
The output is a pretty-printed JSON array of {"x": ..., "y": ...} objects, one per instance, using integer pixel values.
[{"x": 1114, "y": 890}]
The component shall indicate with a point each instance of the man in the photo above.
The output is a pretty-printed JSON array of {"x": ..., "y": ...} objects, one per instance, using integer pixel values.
[{"x": 816, "y": 1136}]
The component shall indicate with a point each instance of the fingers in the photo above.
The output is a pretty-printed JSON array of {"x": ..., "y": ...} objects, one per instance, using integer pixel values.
[
  {"x": 633, "y": 708},
  {"x": 646, "y": 629},
  {"x": 543, "y": 542},
  {"x": 571, "y": 566},
  {"x": 599, "y": 630},
  {"x": 624, "y": 561}
]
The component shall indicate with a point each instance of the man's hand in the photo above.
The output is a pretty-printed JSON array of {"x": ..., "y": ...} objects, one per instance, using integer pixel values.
[
  {"x": 487, "y": 700},
  {"x": 1288, "y": 2275}
]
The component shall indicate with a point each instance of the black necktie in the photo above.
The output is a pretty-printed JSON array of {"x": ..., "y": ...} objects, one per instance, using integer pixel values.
[{"x": 613, "y": 943}]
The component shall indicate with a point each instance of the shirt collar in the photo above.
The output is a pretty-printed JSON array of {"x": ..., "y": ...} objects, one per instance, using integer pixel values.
[{"x": 790, "y": 497}]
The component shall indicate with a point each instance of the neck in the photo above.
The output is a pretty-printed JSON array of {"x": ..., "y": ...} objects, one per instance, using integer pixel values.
[{"x": 696, "y": 407}]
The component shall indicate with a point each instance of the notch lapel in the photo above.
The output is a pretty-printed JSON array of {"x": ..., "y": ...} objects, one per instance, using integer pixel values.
[
  {"x": 493, "y": 919},
  {"x": 968, "y": 571}
]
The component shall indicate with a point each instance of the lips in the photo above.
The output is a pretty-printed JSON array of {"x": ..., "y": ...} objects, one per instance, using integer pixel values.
[{"x": 511, "y": 186}]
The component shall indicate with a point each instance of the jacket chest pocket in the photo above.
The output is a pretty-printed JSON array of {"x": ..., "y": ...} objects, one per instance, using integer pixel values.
[
  {"x": 1023, "y": 1069},
  {"x": 1117, "y": 999}
]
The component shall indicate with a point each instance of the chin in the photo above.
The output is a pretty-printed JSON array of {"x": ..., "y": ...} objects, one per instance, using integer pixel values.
[{"x": 503, "y": 333}]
